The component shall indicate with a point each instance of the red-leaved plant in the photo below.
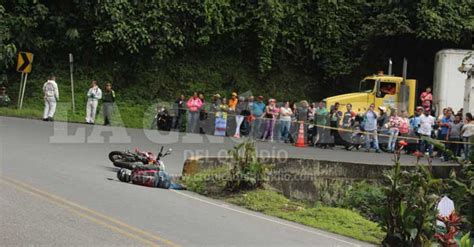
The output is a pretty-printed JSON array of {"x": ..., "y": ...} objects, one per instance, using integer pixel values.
[{"x": 451, "y": 222}]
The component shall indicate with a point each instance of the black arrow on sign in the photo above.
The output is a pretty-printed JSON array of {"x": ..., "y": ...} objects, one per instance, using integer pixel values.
[{"x": 26, "y": 62}]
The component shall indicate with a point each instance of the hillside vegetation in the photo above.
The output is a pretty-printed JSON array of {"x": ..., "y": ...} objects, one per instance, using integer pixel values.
[{"x": 157, "y": 49}]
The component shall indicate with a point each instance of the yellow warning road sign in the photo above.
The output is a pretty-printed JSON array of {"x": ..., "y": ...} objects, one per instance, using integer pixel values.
[{"x": 25, "y": 59}]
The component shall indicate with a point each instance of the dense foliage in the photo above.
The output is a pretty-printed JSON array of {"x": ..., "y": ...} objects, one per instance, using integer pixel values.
[
  {"x": 410, "y": 211},
  {"x": 329, "y": 41}
]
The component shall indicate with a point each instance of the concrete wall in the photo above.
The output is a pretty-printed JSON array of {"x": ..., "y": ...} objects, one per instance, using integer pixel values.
[{"x": 310, "y": 179}]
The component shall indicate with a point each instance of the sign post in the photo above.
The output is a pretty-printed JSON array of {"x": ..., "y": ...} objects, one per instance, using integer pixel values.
[
  {"x": 71, "y": 70},
  {"x": 21, "y": 89},
  {"x": 25, "y": 59},
  {"x": 23, "y": 92}
]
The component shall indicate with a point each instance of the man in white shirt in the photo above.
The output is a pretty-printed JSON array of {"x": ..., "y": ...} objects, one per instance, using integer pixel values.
[
  {"x": 51, "y": 96},
  {"x": 93, "y": 96},
  {"x": 426, "y": 127}
]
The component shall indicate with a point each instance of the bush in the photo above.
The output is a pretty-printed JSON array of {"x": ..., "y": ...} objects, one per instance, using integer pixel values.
[
  {"x": 246, "y": 171},
  {"x": 365, "y": 198},
  {"x": 211, "y": 181}
]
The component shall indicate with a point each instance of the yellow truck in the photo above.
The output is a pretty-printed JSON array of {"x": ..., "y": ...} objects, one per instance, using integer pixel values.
[{"x": 382, "y": 90}]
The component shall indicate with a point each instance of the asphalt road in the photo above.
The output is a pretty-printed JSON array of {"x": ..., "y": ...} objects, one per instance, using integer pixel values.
[{"x": 61, "y": 190}]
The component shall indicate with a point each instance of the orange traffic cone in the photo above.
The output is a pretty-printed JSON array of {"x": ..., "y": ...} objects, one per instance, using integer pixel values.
[{"x": 300, "y": 140}]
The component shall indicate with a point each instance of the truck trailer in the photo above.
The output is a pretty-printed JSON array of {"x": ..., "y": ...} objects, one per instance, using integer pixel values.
[{"x": 448, "y": 81}]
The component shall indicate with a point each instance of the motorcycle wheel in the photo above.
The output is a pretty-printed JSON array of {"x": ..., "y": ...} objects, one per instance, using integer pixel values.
[{"x": 116, "y": 155}]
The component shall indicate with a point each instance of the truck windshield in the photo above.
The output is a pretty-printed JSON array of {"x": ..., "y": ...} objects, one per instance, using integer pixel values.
[{"x": 367, "y": 86}]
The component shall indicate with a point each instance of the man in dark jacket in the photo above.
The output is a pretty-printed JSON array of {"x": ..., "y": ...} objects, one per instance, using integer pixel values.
[
  {"x": 108, "y": 101},
  {"x": 179, "y": 112}
]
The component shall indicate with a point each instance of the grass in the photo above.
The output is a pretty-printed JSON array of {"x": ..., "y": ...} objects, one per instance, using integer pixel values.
[
  {"x": 128, "y": 113},
  {"x": 126, "y": 116},
  {"x": 337, "y": 220},
  {"x": 207, "y": 182}
]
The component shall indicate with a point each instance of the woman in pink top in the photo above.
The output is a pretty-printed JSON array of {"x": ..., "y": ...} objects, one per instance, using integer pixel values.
[
  {"x": 404, "y": 124},
  {"x": 426, "y": 98},
  {"x": 194, "y": 104}
]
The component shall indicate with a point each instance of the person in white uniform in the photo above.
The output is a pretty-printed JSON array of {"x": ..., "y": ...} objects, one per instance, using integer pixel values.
[
  {"x": 93, "y": 96},
  {"x": 51, "y": 96}
]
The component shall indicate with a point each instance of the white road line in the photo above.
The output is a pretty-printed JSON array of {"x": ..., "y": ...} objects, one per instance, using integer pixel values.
[{"x": 265, "y": 218}]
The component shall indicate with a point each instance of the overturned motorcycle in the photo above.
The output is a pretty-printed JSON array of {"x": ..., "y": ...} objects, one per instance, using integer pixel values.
[{"x": 143, "y": 168}]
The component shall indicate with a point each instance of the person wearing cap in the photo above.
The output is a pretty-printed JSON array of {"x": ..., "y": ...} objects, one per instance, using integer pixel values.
[
  {"x": 93, "y": 96},
  {"x": 51, "y": 96},
  {"x": 194, "y": 105},
  {"x": 257, "y": 110},
  {"x": 233, "y": 102},
  {"x": 4, "y": 99},
  {"x": 370, "y": 127},
  {"x": 414, "y": 124},
  {"x": 231, "y": 118},
  {"x": 415, "y": 121},
  {"x": 221, "y": 118},
  {"x": 216, "y": 102},
  {"x": 108, "y": 103}
]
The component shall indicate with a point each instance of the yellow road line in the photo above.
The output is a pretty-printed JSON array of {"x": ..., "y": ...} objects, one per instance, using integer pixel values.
[
  {"x": 74, "y": 211},
  {"x": 73, "y": 206}
]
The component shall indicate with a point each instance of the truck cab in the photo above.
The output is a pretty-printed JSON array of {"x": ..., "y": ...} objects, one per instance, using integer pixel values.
[{"x": 382, "y": 90}]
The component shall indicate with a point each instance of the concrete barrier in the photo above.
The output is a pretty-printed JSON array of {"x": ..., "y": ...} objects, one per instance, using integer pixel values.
[{"x": 311, "y": 179}]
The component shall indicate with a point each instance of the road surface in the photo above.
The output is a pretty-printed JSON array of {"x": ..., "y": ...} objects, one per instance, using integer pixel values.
[{"x": 61, "y": 190}]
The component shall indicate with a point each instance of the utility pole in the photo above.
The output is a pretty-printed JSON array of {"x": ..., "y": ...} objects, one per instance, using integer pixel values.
[
  {"x": 71, "y": 71},
  {"x": 404, "y": 91}
]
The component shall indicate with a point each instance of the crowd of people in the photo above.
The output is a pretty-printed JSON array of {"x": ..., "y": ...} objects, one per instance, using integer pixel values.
[
  {"x": 325, "y": 127},
  {"x": 266, "y": 120}
]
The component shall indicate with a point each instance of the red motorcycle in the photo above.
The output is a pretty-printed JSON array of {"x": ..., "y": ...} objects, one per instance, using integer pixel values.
[
  {"x": 130, "y": 159},
  {"x": 143, "y": 168}
]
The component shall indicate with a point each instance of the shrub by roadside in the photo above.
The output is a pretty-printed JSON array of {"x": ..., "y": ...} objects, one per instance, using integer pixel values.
[{"x": 365, "y": 198}]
